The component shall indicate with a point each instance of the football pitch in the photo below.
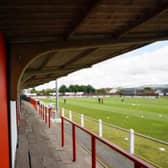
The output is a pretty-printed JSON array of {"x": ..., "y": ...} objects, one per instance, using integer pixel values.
[{"x": 148, "y": 116}]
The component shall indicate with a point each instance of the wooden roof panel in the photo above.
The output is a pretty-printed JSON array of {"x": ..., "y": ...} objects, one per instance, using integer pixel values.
[
  {"x": 61, "y": 58},
  {"x": 78, "y": 33},
  {"x": 108, "y": 17},
  {"x": 39, "y": 16}
]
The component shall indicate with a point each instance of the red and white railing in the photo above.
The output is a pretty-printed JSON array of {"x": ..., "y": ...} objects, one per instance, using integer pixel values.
[
  {"x": 138, "y": 163},
  {"x": 43, "y": 111},
  {"x": 45, "y": 114}
]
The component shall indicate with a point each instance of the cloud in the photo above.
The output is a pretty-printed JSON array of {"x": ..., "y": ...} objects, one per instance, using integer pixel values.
[{"x": 148, "y": 65}]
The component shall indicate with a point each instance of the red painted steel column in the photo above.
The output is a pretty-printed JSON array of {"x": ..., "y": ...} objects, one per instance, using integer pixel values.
[
  {"x": 43, "y": 112},
  {"x": 93, "y": 139},
  {"x": 74, "y": 142},
  {"x": 49, "y": 115},
  {"x": 62, "y": 131},
  {"x": 36, "y": 106},
  {"x": 4, "y": 129},
  {"x": 39, "y": 108}
]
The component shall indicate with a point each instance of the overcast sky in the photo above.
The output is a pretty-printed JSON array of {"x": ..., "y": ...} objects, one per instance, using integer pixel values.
[{"x": 147, "y": 65}]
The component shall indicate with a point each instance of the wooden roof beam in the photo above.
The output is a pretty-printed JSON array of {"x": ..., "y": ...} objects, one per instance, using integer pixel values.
[
  {"x": 84, "y": 14},
  {"x": 83, "y": 43},
  {"x": 30, "y": 74},
  {"x": 79, "y": 56},
  {"x": 161, "y": 8}
]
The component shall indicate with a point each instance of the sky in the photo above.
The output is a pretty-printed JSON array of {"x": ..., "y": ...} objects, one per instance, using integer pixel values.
[{"x": 144, "y": 66}]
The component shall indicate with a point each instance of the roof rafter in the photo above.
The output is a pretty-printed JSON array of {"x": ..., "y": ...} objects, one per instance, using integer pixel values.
[
  {"x": 141, "y": 20},
  {"x": 79, "y": 56},
  {"x": 32, "y": 73},
  {"x": 84, "y": 14}
]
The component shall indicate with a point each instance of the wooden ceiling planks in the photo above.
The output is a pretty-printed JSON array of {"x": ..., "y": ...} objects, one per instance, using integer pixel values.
[{"x": 86, "y": 27}]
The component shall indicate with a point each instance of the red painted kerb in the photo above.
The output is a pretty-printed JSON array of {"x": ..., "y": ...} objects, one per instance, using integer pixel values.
[{"x": 4, "y": 136}]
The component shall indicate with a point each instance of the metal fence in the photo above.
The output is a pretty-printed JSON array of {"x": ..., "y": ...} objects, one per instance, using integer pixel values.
[{"x": 120, "y": 157}]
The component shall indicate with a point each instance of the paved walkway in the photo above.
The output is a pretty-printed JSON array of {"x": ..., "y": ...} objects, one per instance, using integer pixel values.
[{"x": 39, "y": 146}]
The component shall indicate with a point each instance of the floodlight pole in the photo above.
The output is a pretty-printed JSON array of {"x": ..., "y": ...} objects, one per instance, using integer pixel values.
[{"x": 57, "y": 99}]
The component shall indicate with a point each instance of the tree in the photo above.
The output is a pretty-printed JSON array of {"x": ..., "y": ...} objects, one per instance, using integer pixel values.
[
  {"x": 148, "y": 90},
  {"x": 63, "y": 89},
  {"x": 90, "y": 89},
  {"x": 77, "y": 88},
  {"x": 73, "y": 88},
  {"x": 33, "y": 90}
]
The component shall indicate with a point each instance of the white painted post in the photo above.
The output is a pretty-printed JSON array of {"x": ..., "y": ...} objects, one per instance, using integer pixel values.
[
  {"x": 57, "y": 100},
  {"x": 82, "y": 120},
  {"x": 14, "y": 137},
  {"x": 100, "y": 128},
  {"x": 131, "y": 141},
  {"x": 62, "y": 112},
  {"x": 70, "y": 115}
]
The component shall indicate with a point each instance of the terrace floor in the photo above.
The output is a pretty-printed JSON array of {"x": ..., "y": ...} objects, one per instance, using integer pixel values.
[{"x": 39, "y": 146}]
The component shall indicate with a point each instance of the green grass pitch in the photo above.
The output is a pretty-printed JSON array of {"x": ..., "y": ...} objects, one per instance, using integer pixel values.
[{"x": 148, "y": 116}]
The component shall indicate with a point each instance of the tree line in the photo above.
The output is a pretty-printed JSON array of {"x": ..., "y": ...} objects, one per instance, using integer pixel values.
[
  {"x": 46, "y": 92},
  {"x": 87, "y": 89},
  {"x": 77, "y": 88}
]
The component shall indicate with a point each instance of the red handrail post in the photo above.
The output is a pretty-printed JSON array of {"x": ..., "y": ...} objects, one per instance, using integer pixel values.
[
  {"x": 137, "y": 165},
  {"x": 39, "y": 108},
  {"x": 43, "y": 111},
  {"x": 93, "y": 139},
  {"x": 74, "y": 142},
  {"x": 49, "y": 115},
  {"x": 45, "y": 114},
  {"x": 62, "y": 131}
]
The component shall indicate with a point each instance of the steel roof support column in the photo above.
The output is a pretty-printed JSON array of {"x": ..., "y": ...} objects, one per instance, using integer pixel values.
[
  {"x": 4, "y": 112},
  {"x": 57, "y": 100}
]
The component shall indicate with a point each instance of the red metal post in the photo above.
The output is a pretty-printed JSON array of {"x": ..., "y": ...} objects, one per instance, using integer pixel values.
[
  {"x": 4, "y": 114},
  {"x": 93, "y": 139},
  {"x": 74, "y": 142},
  {"x": 49, "y": 115},
  {"x": 137, "y": 165},
  {"x": 62, "y": 131},
  {"x": 137, "y": 162},
  {"x": 36, "y": 105},
  {"x": 40, "y": 109},
  {"x": 45, "y": 114}
]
